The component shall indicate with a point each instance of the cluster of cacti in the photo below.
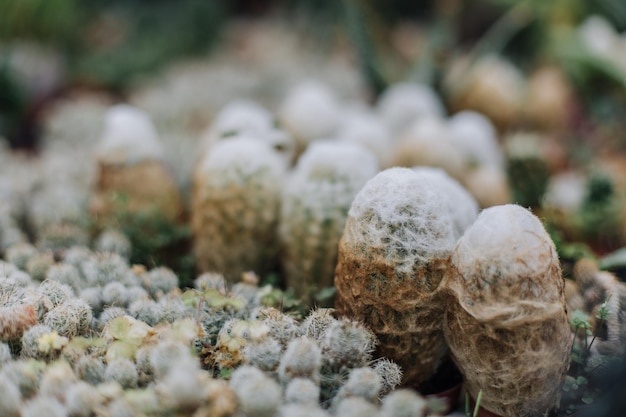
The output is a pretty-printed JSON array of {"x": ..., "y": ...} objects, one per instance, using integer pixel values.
[
  {"x": 424, "y": 287},
  {"x": 73, "y": 353}
]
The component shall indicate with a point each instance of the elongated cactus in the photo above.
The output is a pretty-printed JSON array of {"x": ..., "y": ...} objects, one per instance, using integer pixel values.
[
  {"x": 314, "y": 210},
  {"x": 392, "y": 257},
  {"x": 506, "y": 322},
  {"x": 236, "y": 200}
]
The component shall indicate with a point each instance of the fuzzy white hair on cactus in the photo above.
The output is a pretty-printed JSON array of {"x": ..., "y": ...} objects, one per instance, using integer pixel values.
[
  {"x": 462, "y": 207},
  {"x": 403, "y": 103},
  {"x": 129, "y": 136}
]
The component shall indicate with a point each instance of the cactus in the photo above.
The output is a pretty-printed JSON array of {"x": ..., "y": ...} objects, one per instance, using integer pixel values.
[
  {"x": 82, "y": 399},
  {"x": 70, "y": 318},
  {"x": 314, "y": 210},
  {"x": 113, "y": 240},
  {"x": 302, "y": 359},
  {"x": 403, "y": 103},
  {"x": 19, "y": 254},
  {"x": 133, "y": 178},
  {"x": 66, "y": 274},
  {"x": 302, "y": 391},
  {"x": 367, "y": 129},
  {"x": 428, "y": 142},
  {"x": 462, "y": 207},
  {"x": 527, "y": 170},
  {"x": 247, "y": 117},
  {"x": 476, "y": 136},
  {"x": 309, "y": 111},
  {"x": 392, "y": 257},
  {"x": 122, "y": 371},
  {"x": 404, "y": 403},
  {"x": 390, "y": 375},
  {"x": 90, "y": 369},
  {"x": 10, "y": 399},
  {"x": 236, "y": 200},
  {"x": 258, "y": 395},
  {"x": 159, "y": 281},
  {"x": 505, "y": 321},
  {"x": 56, "y": 379},
  {"x": 43, "y": 406}
]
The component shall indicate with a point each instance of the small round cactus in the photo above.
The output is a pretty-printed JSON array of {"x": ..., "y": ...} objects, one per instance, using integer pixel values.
[
  {"x": 66, "y": 274},
  {"x": 113, "y": 240},
  {"x": 404, "y": 403},
  {"x": 428, "y": 142},
  {"x": 314, "y": 208},
  {"x": 505, "y": 321},
  {"x": 82, "y": 399},
  {"x": 236, "y": 201},
  {"x": 159, "y": 281},
  {"x": 392, "y": 257},
  {"x": 90, "y": 369},
  {"x": 362, "y": 382},
  {"x": 19, "y": 254},
  {"x": 258, "y": 395},
  {"x": 30, "y": 341},
  {"x": 133, "y": 177},
  {"x": 310, "y": 111},
  {"x": 70, "y": 318},
  {"x": 403, "y": 103},
  {"x": 122, "y": 371},
  {"x": 302, "y": 391},
  {"x": 302, "y": 359},
  {"x": 347, "y": 344}
]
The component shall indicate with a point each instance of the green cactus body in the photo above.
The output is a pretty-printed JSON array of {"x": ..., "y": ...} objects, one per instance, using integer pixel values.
[
  {"x": 235, "y": 208},
  {"x": 314, "y": 211}
]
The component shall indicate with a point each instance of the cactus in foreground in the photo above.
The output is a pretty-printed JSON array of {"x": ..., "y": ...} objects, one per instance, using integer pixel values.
[
  {"x": 314, "y": 209},
  {"x": 505, "y": 321},
  {"x": 392, "y": 257},
  {"x": 235, "y": 207}
]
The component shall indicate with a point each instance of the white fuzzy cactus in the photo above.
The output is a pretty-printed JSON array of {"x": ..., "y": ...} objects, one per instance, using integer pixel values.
[
  {"x": 505, "y": 321},
  {"x": 133, "y": 177},
  {"x": 314, "y": 210},
  {"x": 462, "y": 207},
  {"x": 403, "y": 103},
  {"x": 129, "y": 137},
  {"x": 236, "y": 201},
  {"x": 392, "y": 257},
  {"x": 310, "y": 111},
  {"x": 247, "y": 117}
]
